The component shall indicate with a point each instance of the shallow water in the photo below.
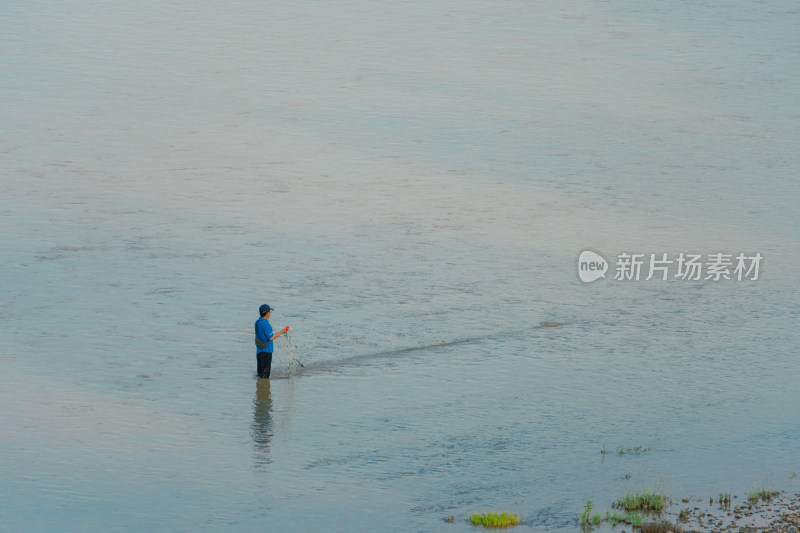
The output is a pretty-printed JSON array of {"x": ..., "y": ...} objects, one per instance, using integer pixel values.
[{"x": 409, "y": 187}]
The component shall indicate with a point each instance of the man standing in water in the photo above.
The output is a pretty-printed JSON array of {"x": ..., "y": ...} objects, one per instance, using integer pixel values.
[{"x": 264, "y": 338}]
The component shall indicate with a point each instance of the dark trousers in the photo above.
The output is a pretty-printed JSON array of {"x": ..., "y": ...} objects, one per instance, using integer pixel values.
[{"x": 264, "y": 364}]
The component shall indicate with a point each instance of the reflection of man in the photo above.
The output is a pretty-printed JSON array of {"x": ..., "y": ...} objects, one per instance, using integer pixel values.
[
  {"x": 264, "y": 338},
  {"x": 261, "y": 431}
]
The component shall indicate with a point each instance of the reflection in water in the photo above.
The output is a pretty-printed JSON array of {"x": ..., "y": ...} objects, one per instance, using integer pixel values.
[{"x": 261, "y": 430}]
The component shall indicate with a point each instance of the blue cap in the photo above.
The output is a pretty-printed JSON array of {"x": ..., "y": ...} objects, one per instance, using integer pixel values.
[{"x": 264, "y": 309}]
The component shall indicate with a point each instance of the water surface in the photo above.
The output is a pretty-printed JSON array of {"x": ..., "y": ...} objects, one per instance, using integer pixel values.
[{"x": 409, "y": 186}]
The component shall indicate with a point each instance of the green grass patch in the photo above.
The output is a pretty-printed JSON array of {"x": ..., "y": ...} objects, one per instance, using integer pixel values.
[
  {"x": 725, "y": 499},
  {"x": 633, "y": 519},
  {"x": 503, "y": 519},
  {"x": 586, "y": 518},
  {"x": 641, "y": 501},
  {"x": 760, "y": 493}
]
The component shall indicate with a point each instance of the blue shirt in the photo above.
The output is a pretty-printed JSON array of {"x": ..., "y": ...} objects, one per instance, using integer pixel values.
[{"x": 264, "y": 332}]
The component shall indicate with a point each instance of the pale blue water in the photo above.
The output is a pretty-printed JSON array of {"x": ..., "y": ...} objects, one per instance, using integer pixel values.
[{"x": 409, "y": 186}]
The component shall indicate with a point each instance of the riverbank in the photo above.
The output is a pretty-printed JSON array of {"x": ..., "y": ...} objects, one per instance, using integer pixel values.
[{"x": 777, "y": 514}]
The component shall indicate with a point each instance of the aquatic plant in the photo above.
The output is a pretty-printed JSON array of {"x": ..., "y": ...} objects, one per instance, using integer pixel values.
[
  {"x": 495, "y": 519},
  {"x": 586, "y": 517},
  {"x": 641, "y": 501},
  {"x": 760, "y": 493},
  {"x": 636, "y": 450},
  {"x": 634, "y": 519}
]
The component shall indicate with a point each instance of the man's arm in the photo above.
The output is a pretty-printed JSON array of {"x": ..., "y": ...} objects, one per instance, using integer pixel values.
[{"x": 281, "y": 332}]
